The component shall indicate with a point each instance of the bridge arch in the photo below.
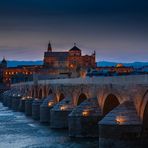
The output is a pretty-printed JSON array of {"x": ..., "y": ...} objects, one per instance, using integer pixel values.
[
  {"x": 33, "y": 93},
  {"x": 111, "y": 101},
  {"x": 50, "y": 91},
  {"x": 145, "y": 118},
  {"x": 29, "y": 93},
  {"x": 143, "y": 105},
  {"x": 40, "y": 94},
  {"x": 61, "y": 97},
  {"x": 82, "y": 97},
  {"x": 45, "y": 91}
]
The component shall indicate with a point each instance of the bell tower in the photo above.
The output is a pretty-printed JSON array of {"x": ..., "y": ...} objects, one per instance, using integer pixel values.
[
  {"x": 49, "y": 49},
  {"x": 4, "y": 63}
]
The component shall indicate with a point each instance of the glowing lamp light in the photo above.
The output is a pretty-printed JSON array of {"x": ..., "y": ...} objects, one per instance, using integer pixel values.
[
  {"x": 23, "y": 98},
  {"x": 71, "y": 66},
  {"x": 120, "y": 119},
  {"x": 28, "y": 97},
  {"x": 18, "y": 95},
  {"x": 50, "y": 104},
  {"x": 63, "y": 107},
  {"x": 85, "y": 113}
]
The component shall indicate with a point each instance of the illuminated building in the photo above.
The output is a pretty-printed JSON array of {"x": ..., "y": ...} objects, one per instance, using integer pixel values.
[
  {"x": 69, "y": 62},
  {"x": 119, "y": 69},
  {"x": 56, "y": 65},
  {"x": 3, "y": 65}
]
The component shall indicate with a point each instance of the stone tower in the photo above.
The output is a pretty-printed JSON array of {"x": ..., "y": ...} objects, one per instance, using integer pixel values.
[
  {"x": 4, "y": 63},
  {"x": 49, "y": 47}
]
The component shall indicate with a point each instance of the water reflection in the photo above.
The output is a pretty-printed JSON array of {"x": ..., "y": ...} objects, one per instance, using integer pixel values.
[{"x": 19, "y": 131}]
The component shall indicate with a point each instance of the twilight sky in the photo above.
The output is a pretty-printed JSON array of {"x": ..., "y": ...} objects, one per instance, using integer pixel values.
[{"x": 116, "y": 29}]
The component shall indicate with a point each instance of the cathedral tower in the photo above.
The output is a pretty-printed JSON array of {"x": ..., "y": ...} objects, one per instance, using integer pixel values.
[{"x": 49, "y": 47}]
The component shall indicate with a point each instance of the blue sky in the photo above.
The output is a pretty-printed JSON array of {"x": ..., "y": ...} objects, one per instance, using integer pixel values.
[{"x": 117, "y": 30}]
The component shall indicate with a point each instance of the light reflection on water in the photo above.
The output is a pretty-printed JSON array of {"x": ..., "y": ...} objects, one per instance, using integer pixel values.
[{"x": 18, "y": 131}]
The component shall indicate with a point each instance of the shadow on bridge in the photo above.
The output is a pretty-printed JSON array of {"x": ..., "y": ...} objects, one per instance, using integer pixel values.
[{"x": 111, "y": 102}]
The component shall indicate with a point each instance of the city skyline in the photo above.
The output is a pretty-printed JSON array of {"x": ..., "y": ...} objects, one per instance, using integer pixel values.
[{"x": 116, "y": 30}]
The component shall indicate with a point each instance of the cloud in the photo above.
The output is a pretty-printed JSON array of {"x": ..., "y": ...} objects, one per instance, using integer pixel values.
[{"x": 113, "y": 28}]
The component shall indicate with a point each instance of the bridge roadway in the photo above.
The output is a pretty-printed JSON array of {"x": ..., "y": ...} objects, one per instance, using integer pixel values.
[{"x": 113, "y": 108}]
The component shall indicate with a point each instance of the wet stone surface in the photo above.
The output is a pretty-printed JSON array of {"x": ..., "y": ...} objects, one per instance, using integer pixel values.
[{"x": 19, "y": 131}]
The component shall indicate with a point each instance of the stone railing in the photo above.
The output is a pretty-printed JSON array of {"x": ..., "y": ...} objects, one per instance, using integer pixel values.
[{"x": 131, "y": 79}]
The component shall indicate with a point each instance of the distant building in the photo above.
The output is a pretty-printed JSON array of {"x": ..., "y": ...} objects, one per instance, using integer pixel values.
[
  {"x": 71, "y": 61},
  {"x": 56, "y": 65},
  {"x": 119, "y": 69},
  {"x": 143, "y": 70},
  {"x": 3, "y": 66},
  {"x": 18, "y": 74}
]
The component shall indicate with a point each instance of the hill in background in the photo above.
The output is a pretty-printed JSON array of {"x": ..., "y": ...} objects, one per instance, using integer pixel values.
[
  {"x": 134, "y": 64},
  {"x": 16, "y": 63},
  {"x": 101, "y": 63}
]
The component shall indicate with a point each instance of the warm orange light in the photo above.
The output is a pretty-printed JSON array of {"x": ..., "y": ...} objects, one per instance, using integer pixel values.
[
  {"x": 71, "y": 66},
  {"x": 63, "y": 108},
  {"x": 120, "y": 119},
  {"x": 83, "y": 75},
  {"x": 85, "y": 113},
  {"x": 50, "y": 104}
]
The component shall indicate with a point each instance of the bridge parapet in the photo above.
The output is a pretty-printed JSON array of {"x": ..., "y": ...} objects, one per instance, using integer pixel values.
[{"x": 130, "y": 79}]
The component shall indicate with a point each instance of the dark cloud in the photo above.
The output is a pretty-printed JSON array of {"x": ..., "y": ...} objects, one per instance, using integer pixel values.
[
  {"x": 115, "y": 28},
  {"x": 50, "y": 7}
]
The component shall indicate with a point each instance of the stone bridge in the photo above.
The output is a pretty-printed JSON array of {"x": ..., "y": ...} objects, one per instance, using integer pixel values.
[{"x": 113, "y": 108}]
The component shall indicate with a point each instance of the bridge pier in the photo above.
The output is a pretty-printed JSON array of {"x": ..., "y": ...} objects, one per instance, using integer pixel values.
[
  {"x": 23, "y": 103},
  {"x": 83, "y": 120},
  {"x": 5, "y": 97},
  {"x": 15, "y": 102},
  {"x": 9, "y": 102},
  {"x": 45, "y": 108},
  {"x": 36, "y": 108},
  {"x": 28, "y": 107},
  {"x": 120, "y": 127},
  {"x": 59, "y": 114}
]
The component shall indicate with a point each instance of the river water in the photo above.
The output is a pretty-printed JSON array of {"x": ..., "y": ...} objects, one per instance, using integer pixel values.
[{"x": 19, "y": 131}]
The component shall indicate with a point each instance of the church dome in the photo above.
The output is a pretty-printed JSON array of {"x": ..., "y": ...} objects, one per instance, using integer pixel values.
[{"x": 119, "y": 65}]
